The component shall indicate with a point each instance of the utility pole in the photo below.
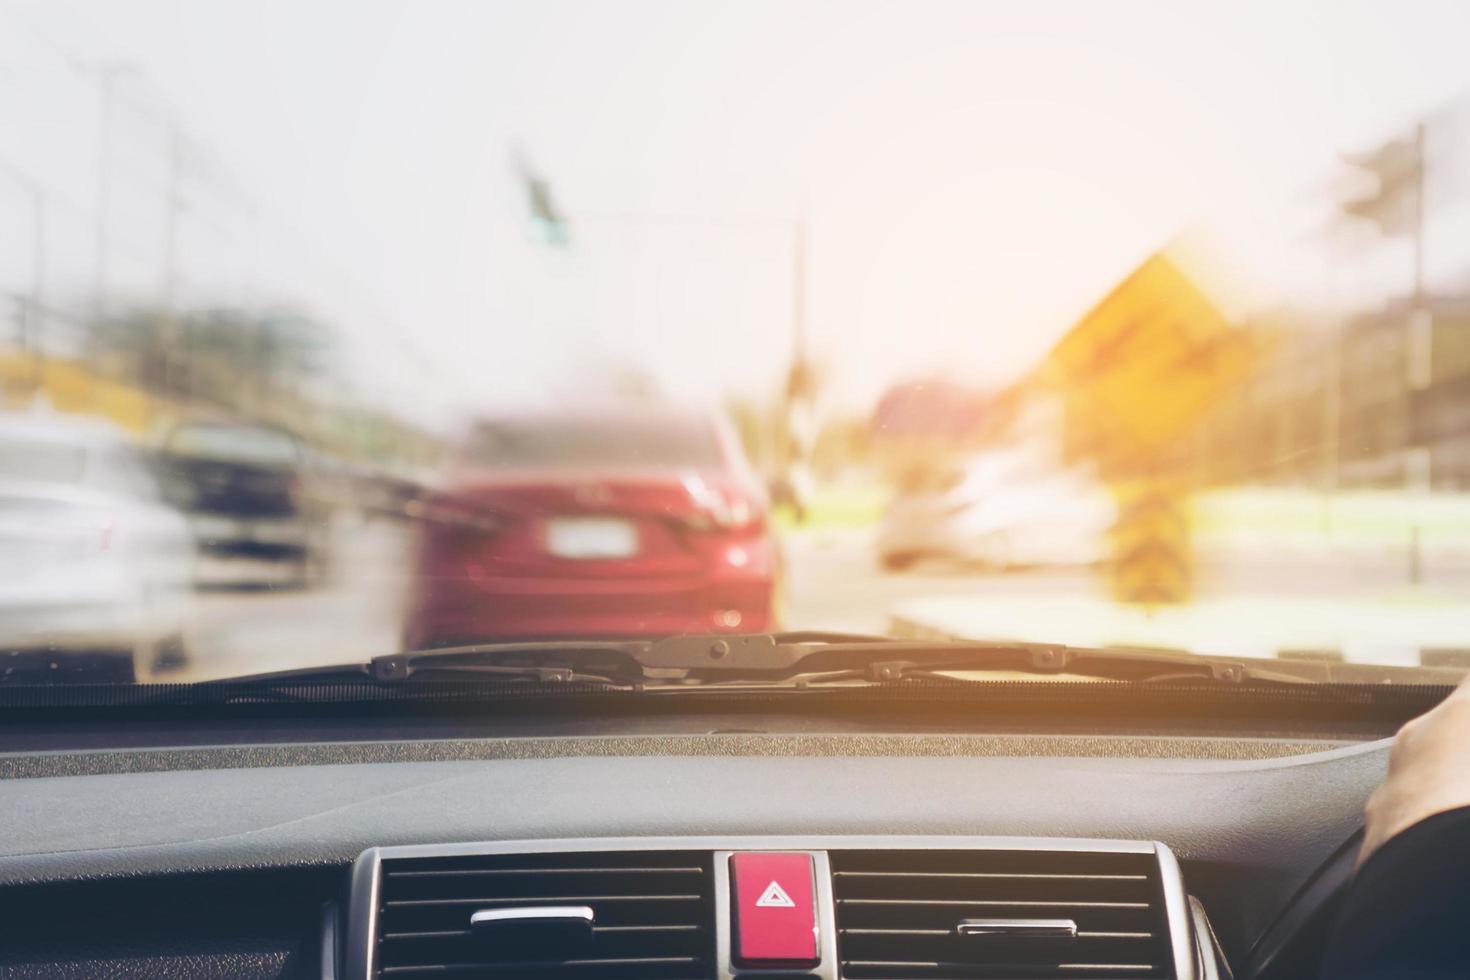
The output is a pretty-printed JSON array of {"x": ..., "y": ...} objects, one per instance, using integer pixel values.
[
  {"x": 175, "y": 353},
  {"x": 1421, "y": 363},
  {"x": 798, "y": 420},
  {"x": 173, "y": 206},
  {"x": 1418, "y": 231},
  {"x": 107, "y": 76},
  {"x": 798, "y": 294},
  {"x": 1397, "y": 207},
  {"x": 35, "y": 304},
  {"x": 36, "y": 310},
  {"x": 1332, "y": 406}
]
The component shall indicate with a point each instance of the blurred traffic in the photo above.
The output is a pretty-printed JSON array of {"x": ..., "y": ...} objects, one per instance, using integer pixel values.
[
  {"x": 220, "y": 453},
  {"x": 246, "y": 492},
  {"x": 97, "y": 562},
  {"x": 1008, "y": 508}
]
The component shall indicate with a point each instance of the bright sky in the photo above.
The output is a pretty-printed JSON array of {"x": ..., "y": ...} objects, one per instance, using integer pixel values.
[{"x": 973, "y": 174}]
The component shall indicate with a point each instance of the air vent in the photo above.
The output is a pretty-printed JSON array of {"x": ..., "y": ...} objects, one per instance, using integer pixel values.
[
  {"x": 652, "y": 916},
  {"x": 901, "y": 915}
]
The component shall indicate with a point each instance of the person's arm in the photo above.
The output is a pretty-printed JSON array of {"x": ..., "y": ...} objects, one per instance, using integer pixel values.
[{"x": 1407, "y": 913}]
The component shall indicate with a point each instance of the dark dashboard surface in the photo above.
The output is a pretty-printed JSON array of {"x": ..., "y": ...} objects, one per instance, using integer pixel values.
[{"x": 1250, "y": 830}]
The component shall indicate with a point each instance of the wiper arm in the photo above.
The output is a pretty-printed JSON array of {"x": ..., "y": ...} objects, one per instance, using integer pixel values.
[{"x": 549, "y": 662}]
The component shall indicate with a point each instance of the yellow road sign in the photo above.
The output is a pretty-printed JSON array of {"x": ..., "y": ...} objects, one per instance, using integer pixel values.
[{"x": 1150, "y": 358}]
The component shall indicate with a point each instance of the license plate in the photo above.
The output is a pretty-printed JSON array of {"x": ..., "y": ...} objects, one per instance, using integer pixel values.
[{"x": 591, "y": 537}]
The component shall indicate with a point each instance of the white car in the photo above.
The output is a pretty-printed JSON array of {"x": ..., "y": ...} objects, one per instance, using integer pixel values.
[
  {"x": 96, "y": 571},
  {"x": 1004, "y": 509}
]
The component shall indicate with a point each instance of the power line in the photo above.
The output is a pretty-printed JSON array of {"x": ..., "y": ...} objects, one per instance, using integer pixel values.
[
  {"x": 202, "y": 173},
  {"x": 210, "y": 190}
]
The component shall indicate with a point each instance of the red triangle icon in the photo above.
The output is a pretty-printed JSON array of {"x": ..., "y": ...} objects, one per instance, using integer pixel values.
[{"x": 774, "y": 897}]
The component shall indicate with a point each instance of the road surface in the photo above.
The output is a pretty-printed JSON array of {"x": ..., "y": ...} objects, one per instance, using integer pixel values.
[{"x": 355, "y": 614}]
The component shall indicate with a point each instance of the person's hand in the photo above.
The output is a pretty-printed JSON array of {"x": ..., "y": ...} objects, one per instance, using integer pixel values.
[{"x": 1428, "y": 771}]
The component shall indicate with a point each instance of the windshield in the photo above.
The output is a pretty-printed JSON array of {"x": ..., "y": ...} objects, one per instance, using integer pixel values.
[
  {"x": 592, "y": 443},
  {"x": 393, "y": 326}
]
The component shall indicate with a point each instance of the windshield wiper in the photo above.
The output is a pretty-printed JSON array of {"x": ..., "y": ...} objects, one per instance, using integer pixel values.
[
  {"x": 798, "y": 659},
  {"x": 811, "y": 659}
]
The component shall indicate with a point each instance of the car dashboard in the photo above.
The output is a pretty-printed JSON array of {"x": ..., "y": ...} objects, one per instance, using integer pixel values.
[{"x": 930, "y": 854}]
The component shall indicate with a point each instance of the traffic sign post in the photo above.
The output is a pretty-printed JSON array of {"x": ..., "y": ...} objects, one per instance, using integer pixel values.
[
  {"x": 1152, "y": 560},
  {"x": 1138, "y": 372}
]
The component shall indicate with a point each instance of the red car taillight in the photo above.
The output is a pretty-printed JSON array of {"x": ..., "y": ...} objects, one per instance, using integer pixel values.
[{"x": 721, "y": 509}]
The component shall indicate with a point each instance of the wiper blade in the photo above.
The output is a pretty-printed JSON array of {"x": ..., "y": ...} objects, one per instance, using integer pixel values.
[
  {"x": 809, "y": 660},
  {"x": 813, "y": 658},
  {"x": 598, "y": 663}
]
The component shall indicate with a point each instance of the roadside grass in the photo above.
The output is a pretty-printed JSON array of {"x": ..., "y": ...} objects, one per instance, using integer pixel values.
[
  {"x": 837, "y": 508},
  {"x": 1296, "y": 519},
  {"x": 1304, "y": 518}
]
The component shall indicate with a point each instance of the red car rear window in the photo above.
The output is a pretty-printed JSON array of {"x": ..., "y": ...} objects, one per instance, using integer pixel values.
[{"x": 593, "y": 443}]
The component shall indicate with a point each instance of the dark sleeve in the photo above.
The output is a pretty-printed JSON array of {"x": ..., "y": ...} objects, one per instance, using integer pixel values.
[{"x": 1407, "y": 913}]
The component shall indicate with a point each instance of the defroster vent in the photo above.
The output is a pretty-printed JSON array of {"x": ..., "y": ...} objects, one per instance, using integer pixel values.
[
  {"x": 920, "y": 915},
  {"x": 563, "y": 916}
]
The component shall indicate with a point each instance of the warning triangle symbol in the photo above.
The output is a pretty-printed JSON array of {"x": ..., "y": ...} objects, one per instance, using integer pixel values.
[{"x": 774, "y": 897}]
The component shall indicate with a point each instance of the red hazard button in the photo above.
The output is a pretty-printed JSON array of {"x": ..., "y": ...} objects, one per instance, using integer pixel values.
[{"x": 774, "y": 898}]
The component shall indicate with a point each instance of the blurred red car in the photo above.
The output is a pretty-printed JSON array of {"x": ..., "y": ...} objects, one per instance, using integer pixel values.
[{"x": 609, "y": 524}]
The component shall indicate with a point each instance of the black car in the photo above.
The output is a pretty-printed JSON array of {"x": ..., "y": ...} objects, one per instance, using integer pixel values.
[{"x": 246, "y": 491}]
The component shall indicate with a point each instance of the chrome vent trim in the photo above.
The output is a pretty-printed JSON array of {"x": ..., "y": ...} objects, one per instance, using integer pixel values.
[
  {"x": 900, "y": 915},
  {"x": 649, "y": 915},
  {"x": 363, "y": 910}
]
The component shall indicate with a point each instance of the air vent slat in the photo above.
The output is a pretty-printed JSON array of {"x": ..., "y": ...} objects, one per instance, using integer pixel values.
[
  {"x": 948, "y": 932},
  {"x": 542, "y": 899},
  {"x": 987, "y": 903},
  {"x": 509, "y": 872},
  {"x": 1012, "y": 971},
  {"x": 854, "y": 875},
  {"x": 598, "y": 931},
  {"x": 543, "y": 966},
  {"x": 898, "y": 913},
  {"x": 653, "y": 916}
]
